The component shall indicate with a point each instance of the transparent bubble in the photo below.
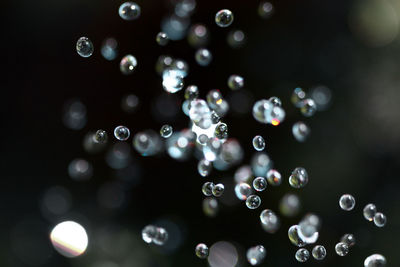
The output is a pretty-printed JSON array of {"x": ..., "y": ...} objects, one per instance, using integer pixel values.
[
  {"x": 369, "y": 212},
  {"x": 235, "y": 82},
  {"x": 181, "y": 67},
  {"x": 222, "y": 108},
  {"x": 74, "y": 116},
  {"x": 69, "y": 239},
  {"x": 210, "y": 206},
  {"x": 348, "y": 239},
  {"x": 184, "y": 8},
  {"x": 175, "y": 26},
  {"x": 149, "y": 233},
  {"x": 262, "y": 110},
  {"x": 375, "y": 260},
  {"x": 218, "y": 190},
  {"x": 202, "y": 140},
  {"x": 161, "y": 236},
  {"x": 277, "y": 115},
  {"x": 347, "y": 202},
  {"x": 308, "y": 107},
  {"x": 212, "y": 149},
  {"x": 214, "y": 98},
  {"x": 302, "y": 255},
  {"x": 179, "y": 145},
  {"x": 253, "y": 201},
  {"x": 147, "y": 143},
  {"x": 236, "y": 39},
  {"x": 80, "y": 170},
  {"x": 298, "y": 96},
  {"x": 308, "y": 228},
  {"x": 299, "y": 178},
  {"x": 100, "y": 137},
  {"x": 163, "y": 63},
  {"x": 203, "y": 57},
  {"x": 162, "y": 38},
  {"x": 130, "y": 103},
  {"x": 122, "y": 133},
  {"x": 128, "y": 64},
  {"x": 129, "y": 11},
  {"x": 172, "y": 81},
  {"x": 223, "y": 254},
  {"x": 276, "y": 101},
  {"x": 260, "y": 184},
  {"x": 342, "y": 249},
  {"x": 204, "y": 167},
  {"x": 300, "y": 131},
  {"x": 289, "y": 205},
  {"x": 221, "y": 131},
  {"x": 215, "y": 118},
  {"x": 84, "y": 47},
  {"x": 166, "y": 131},
  {"x": 231, "y": 154},
  {"x": 319, "y": 252},
  {"x": 322, "y": 96},
  {"x": 109, "y": 49},
  {"x": 274, "y": 177},
  {"x": 191, "y": 92},
  {"x": 260, "y": 164},
  {"x": 207, "y": 188},
  {"x": 380, "y": 219},
  {"x": 224, "y": 18},
  {"x": 294, "y": 237},
  {"x": 269, "y": 221},
  {"x": 258, "y": 143},
  {"x": 265, "y": 9},
  {"x": 202, "y": 251},
  {"x": 198, "y": 36},
  {"x": 200, "y": 113},
  {"x": 243, "y": 190},
  {"x": 256, "y": 255}
]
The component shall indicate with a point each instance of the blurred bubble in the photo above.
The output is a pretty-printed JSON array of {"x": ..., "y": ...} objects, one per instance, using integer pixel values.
[
  {"x": 162, "y": 38},
  {"x": 56, "y": 200},
  {"x": 184, "y": 8},
  {"x": 130, "y": 103},
  {"x": 80, "y": 170},
  {"x": 231, "y": 154},
  {"x": 243, "y": 190},
  {"x": 297, "y": 97},
  {"x": 175, "y": 27},
  {"x": 147, "y": 143},
  {"x": 203, "y": 57},
  {"x": 308, "y": 228},
  {"x": 300, "y": 131},
  {"x": 204, "y": 167},
  {"x": 172, "y": 81},
  {"x": 222, "y": 254},
  {"x": 348, "y": 239},
  {"x": 128, "y": 64},
  {"x": 375, "y": 260},
  {"x": 380, "y": 219},
  {"x": 109, "y": 49},
  {"x": 90, "y": 144},
  {"x": 289, "y": 205},
  {"x": 265, "y": 10},
  {"x": 274, "y": 177},
  {"x": 129, "y": 11},
  {"x": 256, "y": 255},
  {"x": 294, "y": 236},
  {"x": 260, "y": 164},
  {"x": 198, "y": 36},
  {"x": 298, "y": 178},
  {"x": 322, "y": 97},
  {"x": 269, "y": 221},
  {"x": 369, "y": 212},
  {"x": 69, "y": 239},
  {"x": 236, "y": 39},
  {"x": 163, "y": 62},
  {"x": 243, "y": 174},
  {"x": 308, "y": 107},
  {"x": 210, "y": 206},
  {"x": 200, "y": 113},
  {"x": 180, "y": 145},
  {"x": 176, "y": 230},
  {"x": 119, "y": 155},
  {"x": 74, "y": 116}
]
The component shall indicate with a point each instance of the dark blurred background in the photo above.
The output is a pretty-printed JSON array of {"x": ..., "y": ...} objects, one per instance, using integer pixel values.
[{"x": 352, "y": 47}]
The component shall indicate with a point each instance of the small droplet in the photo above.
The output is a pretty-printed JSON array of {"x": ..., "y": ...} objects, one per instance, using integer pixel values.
[
  {"x": 166, "y": 131},
  {"x": 202, "y": 251},
  {"x": 260, "y": 184},
  {"x": 129, "y": 11},
  {"x": 258, "y": 143},
  {"x": 253, "y": 201},
  {"x": 256, "y": 255},
  {"x": 122, "y": 133},
  {"x": 265, "y": 10},
  {"x": 207, "y": 188},
  {"x": 375, "y": 260},
  {"x": 100, "y": 137},
  {"x": 348, "y": 239},
  {"x": 342, "y": 249},
  {"x": 300, "y": 131},
  {"x": 203, "y": 57},
  {"x": 302, "y": 255},
  {"x": 319, "y": 252},
  {"x": 128, "y": 64},
  {"x": 347, "y": 202},
  {"x": 218, "y": 190},
  {"x": 84, "y": 47},
  {"x": 308, "y": 107},
  {"x": 204, "y": 167},
  {"x": 274, "y": 178},
  {"x": 299, "y": 178},
  {"x": 235, "y": 82},
  {"x": 224, "y": 18},
  {"x": 380, "y": 219},
  {"x": 162, "y": 38},
  {"x": 369, "y": 212}
]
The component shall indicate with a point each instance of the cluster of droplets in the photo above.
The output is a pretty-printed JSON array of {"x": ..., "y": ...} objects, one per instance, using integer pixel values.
[
  {"x": 211, "y": 189},
  {"x": 269, "y": 111},
  {"x": 155, "y": 235},
  {"x": 346, "y": 242},
  {"x": 371, "y": 213}
]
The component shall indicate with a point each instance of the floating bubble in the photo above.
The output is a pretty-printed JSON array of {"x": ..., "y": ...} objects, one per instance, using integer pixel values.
[
  {"x": 179, "y": 145},
  {"x": 207, "y": 188},
  {"x": 212, "y": 149},
  {"x": 258, "y": 143},
  {"x": 202, "y": 251},
  {"x": 200, "y": 113},
  {"x": 129, "y": 11},
  {"x": 166, "y": 131},
  {"x": 347, "y": 202},
  {"x": 80, "y": 170},
  {"x": 277, "y": 115},
  {"x": 203, "y": 57},
  {"x": 202, "y": 139},
  {"x": 74, "y": 116},
  {"x": 369, "y": 212},
  {"x": 235, "y": 82},
  {"x": 308, "y": 107},
  {"x": 260, "y": 184},
  {"x": 253, "y": 202},
  {"x": 260, "y": 164},
  {"x": 231, "y": 154},
  {"x": 84, "y": 47},
  {"x": 215, "y": 118},
  {"x": 269, "y": 221},
  {"x": 204, "y": 167},
  {"x": 262, "y": 110},
  {"x": 181, "y": 67},
  {"x": 148, "y": 233},
  {"x": 298, "y": 96},
  {"x": 100, "y": 137},
  {"x": 223, "y": 254},
  {"x": 172, "y": 81},
  {"x": 221, "y": 131},
  {"x": 265, "y": 10},
  {"x": 184, "y": 8},
  {"x": 243, "y": 190},
  {"x": 210, "y": 206},
  {"x": 128, "y": 64},
  {"x": 109, "y": 49},
  {"x": 319, "y": 252},
  {"x": 119, "y": 156},
  {"x": 294, "y": 237},
  {"x": 299, "y": 178},
  {"x": 375, "y": 260},
  {"x": 276, "y": 101},
  {"x": 218, "y": 190},
  {"x": 147, "y": 143},
  {"x": 289, "y": 205},
  {"x": 191, "y": 92},
  {"x": 342, "y": 249},
  {"x": 308, "y": 228},
  {"x": 224, "y": 18},
  {"x": 69, "y": 239},
  {"x": 130, "y": 103},
  {"x": 122, "y": 133},
  {"x": 322, "y": 96},
  {"x": 222, "y": 108},
  {"x": 300, "y": 131},
  {"x": 348, "y": 239},
  {"x": 256, "y": 255},
  {"x": 236, "y": 39},
  {"x": 161, "y": 236},
  {"x": 163, "y": 63},
  {"x": 198, "y": 36},
  {"x": 214, "y": 98},
  {"x": 302, "y": 255},
  {"x": 162, "y": 38},
  {"x": 274, "y": 178},
  {"x": 175, "y": 26},
  {"x": 380, "y": 219}
]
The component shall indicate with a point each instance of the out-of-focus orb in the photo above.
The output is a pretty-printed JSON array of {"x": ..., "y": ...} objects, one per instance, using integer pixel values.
[
  {"x": 69, "y": 239},
  {"x": 223, "y": 254}
]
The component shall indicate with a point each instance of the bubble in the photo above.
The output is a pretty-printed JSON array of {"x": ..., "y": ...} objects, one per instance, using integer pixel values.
[
  {"x": 161, "y": 236},
  {"x": 231, "y": 154},
  {"x": 215, "y": 118},
  {"x": 221, "y": 108},
  {"x": 243, "y": 190},
  {"x": 128, "y": 64},
  {"x": 322, "y": 96},
  {"x": 262, "y": 110},
  {"x": 319, "y": 252},
  {"x": 204, "y": 167},
  {"x": 277, "y": 115},
  {"x": 100, "y": 137},
  {"x": 369, "y": 212},
  {"x": 380, "y": 219},
  {"x": 299, "y": 178},
  {"x": 203, "y": 57},
  {"x": 202, "y": 251},
  {"x": 256, "y": 255},
  {"x": 122, "y": 133},
  {"x": 265, "y": 10},
  {"x": 269, "y": 221},
  {"x": 221, "y": 131},
  {"x": 198, "y": 36},
  {"x": 147, "y": 143},
  {"x": 289, "y": 205},
  {"x": 191, "y": 92},
  {"x": 84, "y": 47},
  {"x": 258, "y": 143},
  {"x": 223, "y": 254},
  {"x": 109, "y": 49},
  {"x": 308, "y": 107},
  {"x": 294, "y": 237},
  {"x": 300, "y": 131},
  {"x": 253, "y": 202},
  {"x": 153, "y": 234},
  {"x": 224, "y": 18},
  {"x": 69, "y": 239},
  {"x": 179, "y": 145},
  {"x": 172, "y": 81},
  {"x": 163, "y": 62},
  {"x": 80, "y": 170},
  {"x": 130, "y": 103},
  {"x": 74, "y": 116},
  {"x": 200, "y": 113},
  {"x": 212, "y": 149},
  {"x": 207, "y": 188},
  {"x": 347, "y": 202},
  {"x": 218, "y": 190},
  {"x": 308, "y": 228},
  {"x": 341, "y": 249},
  {"x": 274, "y": 178},
  {"x": 302, "y": 255},
  {"x": 375, "y": 260},
  {"x": 235, "y": 82},
  {"x": 275, "y": 101},
  {"x": 175, "y": 27},
  {"x": 260, "y": 184},
  {"x": 260, "y": 164},
  {"x": 166, "y": 131},
  {"x": 297, "y": 97},
  {"x": 214, "y": 98},
  {"x": 162, "y": 38},
  {"x": 236, "y": 39},
  {"x": 348, "y": 239},
  {"x": 210, "y": 206},
  {"x": 202, "y": 140},
  {"x": 129, "y": 11}
]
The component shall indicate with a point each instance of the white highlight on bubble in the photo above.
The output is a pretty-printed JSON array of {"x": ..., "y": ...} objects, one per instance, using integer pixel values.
[{"x": 69, "y": 239}]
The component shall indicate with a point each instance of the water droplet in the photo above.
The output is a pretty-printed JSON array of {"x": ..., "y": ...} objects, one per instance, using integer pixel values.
[
  {"x": 122, "y": 133},
  {"x": 258, "y": 143},
  {"x": 130, "y": 103},
  {"x": 302, "y": 255},
  {"x": 342, "y": 249},
  {"x": 308, "y": 228},
  {"x": 308, "y": 107},
  {"x": 269, "y": 221},
  {"x": 84, "y": 47},
  {"x": 100, "y": 137},
  {"x": 207, "y": 188},
  {"x": 224, "y": 18},
  {"x": 162, "y": 38},
  {"x": 204, "y": 167},
  {"x": 369, "y": 212},
  {"x": 260, "y": 184},
  {"x": 256, "y": 255},
  {"x": 380, "y": 219},
  {"x": 375, "y": 260},
  {"x": 300, "y": 131},
  {"x": 275, "y": 101},
  {"x": 166, "y": 131},
  {"x": 253, "y": 201},
  {"x": 128, "y": 64},
  {"x": 235, "y": 82},
  {"x": 243, "y": 190},
  {"x": 203, "y": 57},
  {"x": 265, "y": 112},
  {"x": 218, "y": 190},
  {"x": 202, "y": 251},
  {"x": 129, "y": 11},
  {"x": 265, "y": 10},
  {"x": 319, "y": 252},
  {"x": 299, "y": 178},
  {"x": 347, "y": 202},
  {"x": 274, "y": 178},
  {"x": 348, "y": 239}
]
